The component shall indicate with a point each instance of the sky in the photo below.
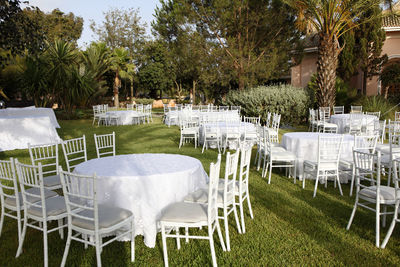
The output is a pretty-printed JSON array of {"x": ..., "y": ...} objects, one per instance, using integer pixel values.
[{"x": 93, "y": 10}]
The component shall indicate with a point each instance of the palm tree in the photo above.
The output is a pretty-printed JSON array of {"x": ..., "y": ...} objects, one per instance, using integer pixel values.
[
  {"x": 128, "y": 74},
  {"x": 329, "y": 19},
  {"x": 120, "y": 59}
]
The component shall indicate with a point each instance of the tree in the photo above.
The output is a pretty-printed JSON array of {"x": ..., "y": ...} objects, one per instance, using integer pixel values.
[
  {"x": 330, "y": 19},
  {"x": 249, "y": 32},
  {"x": 390, "y": 77},
  {"x": 57, "y": 25},
  {"x": 121, "y": 29},
  {"x": 120, "y": 58},
  {"x": 17, "y": 31},
  {"x": 156, "y": 72}
]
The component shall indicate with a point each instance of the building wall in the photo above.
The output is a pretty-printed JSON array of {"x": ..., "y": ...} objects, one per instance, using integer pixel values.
[{"x": 301, "y": 74}]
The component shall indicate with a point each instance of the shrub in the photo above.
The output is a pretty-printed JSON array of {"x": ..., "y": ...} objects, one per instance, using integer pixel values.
[
  {"x": 291, "y": 102},
  {"x": 144, "y": 101},
  {"x": 378, "y": 103}
]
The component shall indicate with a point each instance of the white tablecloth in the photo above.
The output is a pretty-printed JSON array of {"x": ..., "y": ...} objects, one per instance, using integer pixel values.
[
  {"x": 126, "y": 116},
  {"x": 173, "y": 117},
  {"x": 224, "y": 127},
  {"x": 341, "y": 120},
  {"x": 17, "y": 132},
  {"x": 145, "y": 184},
  {"x": 30, "y": 112},
  {"x": 305, "y": 146}
]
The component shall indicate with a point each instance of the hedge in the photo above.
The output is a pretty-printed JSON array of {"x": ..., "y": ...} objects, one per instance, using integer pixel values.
[{"x": 291, "y": 102}]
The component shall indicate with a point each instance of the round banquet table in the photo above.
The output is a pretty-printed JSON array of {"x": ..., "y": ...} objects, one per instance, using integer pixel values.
[
  {"x": 341, "y": 120},
  {"x": 126, "y": 116},
  {"x": 145, "y": 184},
  {"x": 305, "y": 146}
]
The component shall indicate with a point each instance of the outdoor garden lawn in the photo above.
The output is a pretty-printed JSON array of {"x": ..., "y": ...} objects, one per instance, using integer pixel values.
[{"x": 290, "y": 227}]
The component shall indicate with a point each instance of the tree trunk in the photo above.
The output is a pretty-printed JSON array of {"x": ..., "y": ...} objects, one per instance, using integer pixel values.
[
  {"x": 117, "y": 84},
  {"x": 193, "y": 93},
  {"x": 328, "y": 52},
  {"x": 132, "y": 90},
  {"x": 364, "y": 88}
]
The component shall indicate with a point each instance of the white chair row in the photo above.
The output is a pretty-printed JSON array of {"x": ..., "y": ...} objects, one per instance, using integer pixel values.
[{"x": 40, "y": 206}]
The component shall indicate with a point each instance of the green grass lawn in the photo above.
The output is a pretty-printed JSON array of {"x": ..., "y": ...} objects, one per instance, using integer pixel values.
[{"x": 290, "y": 226}]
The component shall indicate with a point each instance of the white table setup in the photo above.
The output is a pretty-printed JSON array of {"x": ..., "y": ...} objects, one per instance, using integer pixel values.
[
  {"x": 145, "y": 184},
  {"x": 126, "y": 117},
  {"x": 174, "y": 116},
  {"x": 305, "y": 146},
  {"x": 20, "y": 126},
  {"x": 342, "y": 120},
  {"x": 224, "y": 127}
]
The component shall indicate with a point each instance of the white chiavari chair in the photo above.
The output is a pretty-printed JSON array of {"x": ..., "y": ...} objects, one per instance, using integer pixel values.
[
  {"x": 105, "y": 144},
  {"x": 338, "y": 110},
  {"x": 88, "y": 218},
  {"x": 356, "y": 109},
  {"x": 38, "y": 214},
  {"x": 212, "y": 134},
  {"x": 327, "y": 164},
  {"x": 194, "y": 215},
  {"x": 370, "y": 194},
  {"x": 47, "y": 155},
  {"x": 74, "y": 151},
  {"x": 189, "y": 131}
]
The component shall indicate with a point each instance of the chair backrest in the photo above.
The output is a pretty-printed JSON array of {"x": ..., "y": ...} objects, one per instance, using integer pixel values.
[
  {"x": 223, "y": 108},
  {"x": 327, "y": 112},
  {"x": 80, "y": 197},
  {"x": 238, "y": 108},
  {"x": 396, "y": 176},
  {"x": 212, "y": 209},
  {"x": 377, "y": 114},
  {"x": 324, "y": 115},
  {"x": 268, "y": 120},
  {"x": 365, "y": 142},
  {"x": 338, "y": 110},
  {"x": 397, "y": 116},
  {"x": 356, "y": 109},
  {"x": 244, "y": 170},
  {"x": 8, "y": 182},
  {"x": 231, "y": 166},
  {"x": 276, "y": 119},
  {"x": 204, "y": 107},
  {"x": 329, "y": 148},
  {"x": 269, "y": 139},
  {"x": 31, "y": 176},
  {"x": 367, "y": 169},
  {"x": 394, "y": 127},
  {"x": 96, "y": 110},
  {"x": 74, "y": 151},
  {"x": 196, "y": 108},
  {"x": 139, "y": 107},
  {"x": 213, "y": 108},
  {"x": 47, "y": 155},
  {"x": 355, "y": 123},
  {"x": 130, "y": 106},
  {"x": 394, "y": 145},
  {"x": 105, "y": 144},
  {"x": 148, "y": 108},
  {"x": 254, "y": 120}
]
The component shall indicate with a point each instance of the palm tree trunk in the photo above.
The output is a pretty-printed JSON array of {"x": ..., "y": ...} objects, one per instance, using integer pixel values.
[
  {"x": 328, "y": 52},
  {"x": 117, "y": 84}
]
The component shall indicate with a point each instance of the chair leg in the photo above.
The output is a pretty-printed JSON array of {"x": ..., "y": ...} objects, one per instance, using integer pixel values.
[
  {"x": 45, "y": 244},
  {"x": 270, "y": 172},
  {"x": 338, "y": 181},
  {"x": 390, "y": 230},
  {"x": 228, "y": 242},
  {"x": 178, "y": 240},
  {"x": 377, "y": 223},
  {"x": 2, "y": 220},
  {"x": 18, "y": 224},
  {"x": 64, "y": 259},
  {"x": 210, "y": 237},
  {"x": 98, "y": 249},
  {"x": 21, "y": 241},
  {"x": 132, "y": 241},
  {"x": 187, "y": 234},
  {"x": 352, "y": 214},
  {"x": 242, "y": 213},
  {"x": 316, "y": 185},
  {"x": 164, "y": 243},
  {"x": 221, "y": 239},
  {"x": 353, "y": 173},
  {"x": 236, "y": 218},
  {"x": 61, "y": 230}
]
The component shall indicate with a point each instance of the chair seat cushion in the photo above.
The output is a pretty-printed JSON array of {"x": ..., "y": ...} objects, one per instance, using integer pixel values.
[
  {"x": 283, "y": 156},
  {"x": 329, "y": 125},
  {"x": 35, "y": 191},
  {"x": 387, "y": 193},
  {"x": 323, "y": 165},
  {"x": 183, "y": 212},
  {"x": 385, "y": 149},
  {"x": 201, "y": 196},
  {"x": 108, "y": 216},
  {"x": 54, "y": 206},
  {"x": 52, "y": 181},
  {"x": 190, "y": 131}
]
